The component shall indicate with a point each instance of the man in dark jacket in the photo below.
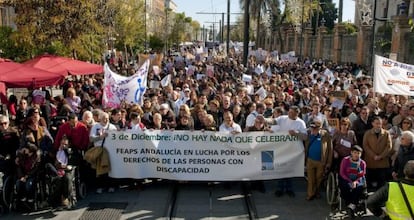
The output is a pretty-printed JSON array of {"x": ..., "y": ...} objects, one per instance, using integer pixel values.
[
  {"x": 9, "y": 143},
  {"x": 361, "y": 125}
]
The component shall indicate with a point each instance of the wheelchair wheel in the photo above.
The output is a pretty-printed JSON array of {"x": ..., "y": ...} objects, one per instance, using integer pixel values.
[
  {"x": 332, "y": 189},
  {"x": 8, "y": 193},
  {"x": 81, "y": 190}
]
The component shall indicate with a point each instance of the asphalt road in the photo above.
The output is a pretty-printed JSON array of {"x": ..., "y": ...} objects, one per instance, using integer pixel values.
[{"x": 192, "y": 201}]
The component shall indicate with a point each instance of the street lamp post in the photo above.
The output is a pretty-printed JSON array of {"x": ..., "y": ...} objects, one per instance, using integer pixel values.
[
  {"x": 246, "y": 32},
  {"x": 301, "y": 31},
  {"x": 167, "y": 8},
  {"x": 228, "y": 28},
  {"x": 145, "y": 25}
]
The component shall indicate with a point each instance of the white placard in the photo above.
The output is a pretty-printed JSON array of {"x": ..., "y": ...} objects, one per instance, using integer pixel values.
[{"x": 246, "y": 78}]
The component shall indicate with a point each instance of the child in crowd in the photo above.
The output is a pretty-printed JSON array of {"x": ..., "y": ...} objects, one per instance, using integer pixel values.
[{"x": 352, "y": 179}]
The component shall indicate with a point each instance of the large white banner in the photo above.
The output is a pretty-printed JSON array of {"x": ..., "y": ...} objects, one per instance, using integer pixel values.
[
  {"x": 392, "y": 77},
  {"x": 204, "y": 156},
  {"x": 118, "y": 89}
]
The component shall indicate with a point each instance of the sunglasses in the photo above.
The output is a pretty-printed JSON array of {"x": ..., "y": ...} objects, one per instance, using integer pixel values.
[{"x": 3, "y": 123}]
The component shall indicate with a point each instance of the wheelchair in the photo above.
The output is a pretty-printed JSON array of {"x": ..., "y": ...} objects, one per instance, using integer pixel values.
[
  {"x": 42, "y": 191},
  {"x": 335, "y": 200},
  {"x": 76, "y": 163},
  {"x": 77, "y": 189},
  {"x": 6, "y": 192}
]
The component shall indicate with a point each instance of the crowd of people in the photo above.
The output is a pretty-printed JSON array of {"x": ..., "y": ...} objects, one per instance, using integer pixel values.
[{"x": 373, "y": 136}]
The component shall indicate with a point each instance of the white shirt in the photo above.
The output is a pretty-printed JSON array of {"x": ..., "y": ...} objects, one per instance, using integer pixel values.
[
  {"x": 98, "y": 129},
  {"x": 235, "y": 127},
  {"x": 137, "y": 127},
  {"x": 286, "y": 124},
  {"x": 251, "y": 118}
]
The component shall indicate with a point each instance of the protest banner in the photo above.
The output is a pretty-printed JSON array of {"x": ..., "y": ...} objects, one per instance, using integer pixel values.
[
  {"x": 392, "y": 77},
  {"x": 118, "y": 89},
  {"x": 204, "y": 156}
]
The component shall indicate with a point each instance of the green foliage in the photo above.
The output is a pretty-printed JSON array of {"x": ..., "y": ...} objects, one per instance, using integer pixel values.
[
  {"x": 55, "y": 26},
  {"x": 350, "y": 28},
  {"x": 326, "y": 11},
  {"x": 82, "y": 28},
  {"x": 179, "y": 26},
  {"x": 9, "y": 47},
  {"x": 156, "y": 43},
  {"x": 129, "y": 25},
  {"x": 383, "y": 38}
]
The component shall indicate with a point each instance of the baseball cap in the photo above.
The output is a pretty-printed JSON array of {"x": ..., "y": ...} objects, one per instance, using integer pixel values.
[
  {"x": 315, "y": 124},
  {"x": 356, "y": 148}
]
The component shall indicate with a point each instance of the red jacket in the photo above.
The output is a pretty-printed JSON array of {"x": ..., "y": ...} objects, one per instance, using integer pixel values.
[{"x": 78, "y": 136}]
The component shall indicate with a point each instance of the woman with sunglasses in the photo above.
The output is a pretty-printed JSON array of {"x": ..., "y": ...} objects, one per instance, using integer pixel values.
[
  {"x": 36, "y": 132},
  {"x": 343, "y": 139}
]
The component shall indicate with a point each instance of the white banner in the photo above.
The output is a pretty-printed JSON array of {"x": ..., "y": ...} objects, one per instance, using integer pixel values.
[
  {"x": 118, "y": 89},
  {"x": 204, "y": 156},
  {"x": 392, "y": 77}
]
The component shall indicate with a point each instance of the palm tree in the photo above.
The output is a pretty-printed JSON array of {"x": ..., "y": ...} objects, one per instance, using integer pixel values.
[{"x": 258, "y": 7}]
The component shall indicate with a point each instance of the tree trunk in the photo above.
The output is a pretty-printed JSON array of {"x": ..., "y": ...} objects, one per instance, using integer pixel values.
[{"x": 258, "y": 38}]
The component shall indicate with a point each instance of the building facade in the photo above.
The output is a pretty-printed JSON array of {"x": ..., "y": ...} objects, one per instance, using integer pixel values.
[
  {"x": 7, "y": 15},
  {"x": 385, "y": 9}
]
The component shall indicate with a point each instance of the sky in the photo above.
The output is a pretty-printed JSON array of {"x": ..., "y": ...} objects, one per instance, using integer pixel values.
[{"x": 191, "y": 7}]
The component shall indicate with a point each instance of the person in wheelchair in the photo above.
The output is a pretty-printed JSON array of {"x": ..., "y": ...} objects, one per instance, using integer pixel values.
[
  {"x": 61, "y": 175},
  {"x": 9, "y": 143},
  {"x": 352, "y": 181},
  {"x": 27, "y": 161}
]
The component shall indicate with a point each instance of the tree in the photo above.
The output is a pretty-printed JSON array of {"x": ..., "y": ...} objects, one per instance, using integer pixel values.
[
  {"x": 128, "y": 25},
  {"x": 156, "y": 43},
  {"x": 179, "y": 27},
  {"x": 195, "y": 28},
  {"x": 350, "y": 28},
  {"x": 9, "y": 47},
  {"x": 257, "y": 8},
  {"x": 326, "y": 11},
  {"x": 43, "y": 23}
]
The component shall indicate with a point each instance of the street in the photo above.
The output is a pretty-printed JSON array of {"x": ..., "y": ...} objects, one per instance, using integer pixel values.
[{"x": 196, "y": 200}]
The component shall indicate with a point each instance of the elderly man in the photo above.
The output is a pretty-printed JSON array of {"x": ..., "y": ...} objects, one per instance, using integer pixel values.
[
  {"x": 97, "y": 135},
  {"x": 395, "y": 196},
  {"x": 319, "y": 153},
  {"x": 405, "y": 153},
  {"x": 228, "y": 125},
  {"x": 9, "y": 143}
]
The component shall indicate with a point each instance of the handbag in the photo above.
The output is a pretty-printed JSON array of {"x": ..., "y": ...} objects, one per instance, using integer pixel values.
[
  {"x": 406, "y": 200},
  {"x": 90, "y": 155}
]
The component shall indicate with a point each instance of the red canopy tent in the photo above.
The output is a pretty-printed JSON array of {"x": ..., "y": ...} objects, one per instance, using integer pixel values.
[
  {"x": 16, "y": 75},
  {"x": 63, "y": 65}
]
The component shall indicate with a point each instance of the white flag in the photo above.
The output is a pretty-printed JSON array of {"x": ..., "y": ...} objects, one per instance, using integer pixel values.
[
  {"x": 166, "y": 80},
  {"x": 118, "y": 89}
]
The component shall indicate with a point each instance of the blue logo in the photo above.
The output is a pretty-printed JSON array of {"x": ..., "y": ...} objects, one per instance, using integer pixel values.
[{"x": 268, "y": 160}]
